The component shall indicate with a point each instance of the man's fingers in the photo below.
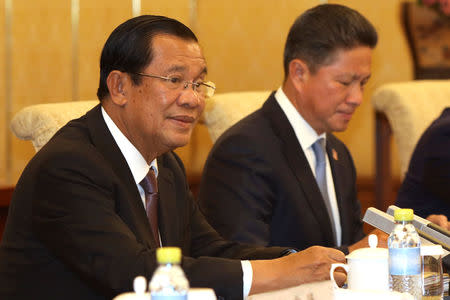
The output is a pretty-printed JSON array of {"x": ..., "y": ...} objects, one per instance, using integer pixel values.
[
  {"x": 382, "y": 238},
  {"x": 339, "y": 277},
  {"x": 340, "y": 270},
  {"x": 440, "y": 220},
  {"x": 336, "y": 255}
]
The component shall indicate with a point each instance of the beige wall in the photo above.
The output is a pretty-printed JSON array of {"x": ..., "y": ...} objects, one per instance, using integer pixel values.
[
  {"x": 242, "y": 41},
  {"x": 3, "y": 107},
  {"x": 40, "y": 62}
]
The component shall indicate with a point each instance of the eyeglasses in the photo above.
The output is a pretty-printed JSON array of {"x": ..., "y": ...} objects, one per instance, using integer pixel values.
[{"x": 204, "y": 89}]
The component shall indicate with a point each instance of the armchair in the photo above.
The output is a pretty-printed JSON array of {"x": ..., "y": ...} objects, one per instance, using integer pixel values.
[
  {"x": 403, "y": 110},
  {"x": 223, "y": 110},
  {"x": 40, "y": 122}
]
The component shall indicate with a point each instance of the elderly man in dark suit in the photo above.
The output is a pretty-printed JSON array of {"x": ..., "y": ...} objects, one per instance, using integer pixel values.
[
  {"x": 279, "y": 176},
  {"x": 84, "y": 219}
]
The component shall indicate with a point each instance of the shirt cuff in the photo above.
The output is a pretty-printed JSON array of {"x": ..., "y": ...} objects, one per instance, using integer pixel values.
[{"x": 247, "y": 277}]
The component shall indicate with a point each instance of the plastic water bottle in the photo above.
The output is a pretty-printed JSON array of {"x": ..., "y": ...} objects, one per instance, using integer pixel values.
[
  {"x": 404, "y": 255},
  {"x": 169, "y": 280}
]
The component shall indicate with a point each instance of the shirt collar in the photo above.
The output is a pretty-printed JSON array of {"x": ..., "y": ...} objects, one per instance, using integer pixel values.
[
  {"x": 138, "y": 166},
  {"x": 305, "y": 134}
]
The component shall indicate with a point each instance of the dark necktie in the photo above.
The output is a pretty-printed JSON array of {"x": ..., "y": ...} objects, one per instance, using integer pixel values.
[
  {"x": 321, "y": 177},
  {"x": 150, "y": 187}
]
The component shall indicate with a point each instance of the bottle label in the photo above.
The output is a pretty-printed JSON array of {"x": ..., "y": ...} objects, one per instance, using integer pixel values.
[
  {"x": 404, "y": 261},
  {"x": 172, "y": 297}
]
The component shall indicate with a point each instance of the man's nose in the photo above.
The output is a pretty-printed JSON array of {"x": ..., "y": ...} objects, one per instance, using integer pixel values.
[
  {"x": 189, "y": 96},
  {"x": 356, "y": 95}
]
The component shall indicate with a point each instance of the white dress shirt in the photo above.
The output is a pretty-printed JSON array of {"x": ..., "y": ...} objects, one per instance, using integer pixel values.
[
  {"x": 139, "y": 169},
  {"x": 307, "y": 136}
]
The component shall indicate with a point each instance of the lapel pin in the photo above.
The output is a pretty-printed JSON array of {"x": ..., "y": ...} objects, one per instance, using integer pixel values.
[{"x": 334, "y": 153}]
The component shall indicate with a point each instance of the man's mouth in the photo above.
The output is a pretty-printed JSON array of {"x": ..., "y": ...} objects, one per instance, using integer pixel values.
[
  {"x": 347, "y": 114},
  {"x": 186, "y": 119},
  {"x": 183, "y": 119}
]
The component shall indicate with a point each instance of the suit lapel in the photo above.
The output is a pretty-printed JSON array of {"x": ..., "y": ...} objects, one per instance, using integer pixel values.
[
  {"x": 299, "y": 164},
  {"x": 169, "y": 224},
  {"x": 338, "y": 173},
  {"x": 136, "y": 216}
]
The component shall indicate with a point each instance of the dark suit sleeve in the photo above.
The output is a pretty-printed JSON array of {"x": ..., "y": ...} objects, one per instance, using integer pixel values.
[
  {"x": 436, "y": 163},
  {"x": 236, "y": 193},
  {"x": 213, "y": 267}
]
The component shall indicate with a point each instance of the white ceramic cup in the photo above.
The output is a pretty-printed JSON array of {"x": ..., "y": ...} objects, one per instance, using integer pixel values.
[{"x": 367, "y": 269}]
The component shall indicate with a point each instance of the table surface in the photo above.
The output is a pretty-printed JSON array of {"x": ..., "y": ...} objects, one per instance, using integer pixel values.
[{"x": 322, "y": 290}]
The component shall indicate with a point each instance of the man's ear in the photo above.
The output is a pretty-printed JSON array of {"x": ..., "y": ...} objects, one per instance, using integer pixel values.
[
  {"x": 117, "y": 83},
  {"x": 298, "y": 72}
]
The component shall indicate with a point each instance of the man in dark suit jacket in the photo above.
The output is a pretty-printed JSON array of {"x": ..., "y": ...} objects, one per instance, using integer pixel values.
[
  {"x": 259, "y": 184},
  {"x": 426, "y": 185},
  {"x": 78, "y": 228}
]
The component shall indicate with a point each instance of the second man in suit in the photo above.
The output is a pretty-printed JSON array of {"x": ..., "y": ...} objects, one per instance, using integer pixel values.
[{"x": 279, "y": 176}]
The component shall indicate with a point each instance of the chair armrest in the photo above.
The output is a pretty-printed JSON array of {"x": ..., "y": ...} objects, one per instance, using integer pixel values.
[
  {"x": 40, "y": 122},
  {"x": 223, "y": 110}
]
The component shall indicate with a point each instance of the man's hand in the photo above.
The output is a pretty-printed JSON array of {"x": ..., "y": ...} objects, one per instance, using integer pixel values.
[
  {"x": 440, "y": 220},
  {"x": 312, "y": 264},
  {"x": 364, "y": 243}
]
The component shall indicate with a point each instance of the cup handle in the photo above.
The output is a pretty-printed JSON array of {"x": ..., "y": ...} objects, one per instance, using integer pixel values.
[{"x": 334, "y": 267}]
